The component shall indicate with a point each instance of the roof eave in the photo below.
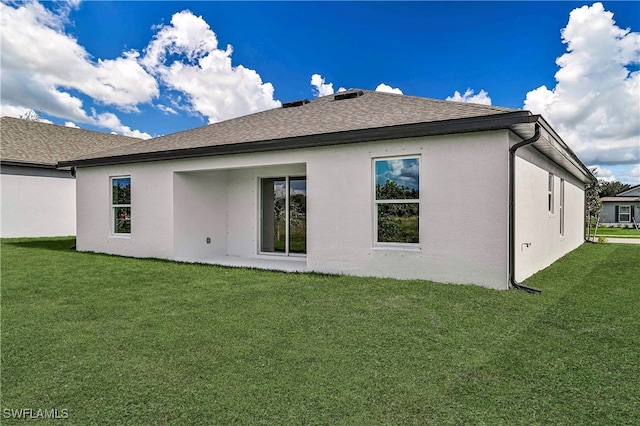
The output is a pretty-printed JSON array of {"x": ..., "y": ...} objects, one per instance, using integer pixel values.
[
  {"x": 433, "y": 128},
  {"x": 619, "y": 199},
  {"x": 24, "y": 163},
  {"x": 633, "y": 188},
  {"x": 553, "y": 147}
]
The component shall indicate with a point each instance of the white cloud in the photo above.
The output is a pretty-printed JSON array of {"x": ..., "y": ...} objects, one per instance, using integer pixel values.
[
  {"x": 111, "y": 121},
  {"x": 605, "y": 173},
  {"x": 468, "y": 96},
  {"x": 167, "y": 109},
  {"x": 628, "y": 174},
  {"x": 595, "y": 105},
  {"x": 45, "y": 68},
  {"x": 24, "y": 90},
  {"x": 320, "y": 88},
  {"x": 13, "y": 111},
  {"x": 185, "y": 56},
  {"x": 388, "y": 89},
  {"x": 41, "y": 63},
  {"x": 38, "y": 55},
  {"x": 71, "y": 124},
  {"x": 625, "y": 173}
]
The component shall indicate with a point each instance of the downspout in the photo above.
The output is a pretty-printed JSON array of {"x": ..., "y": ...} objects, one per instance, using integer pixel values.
[{"x": 512, "y": 211}]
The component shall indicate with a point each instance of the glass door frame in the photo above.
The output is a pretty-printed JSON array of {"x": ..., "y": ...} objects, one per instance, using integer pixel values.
[{"x": 287, "y": 179}]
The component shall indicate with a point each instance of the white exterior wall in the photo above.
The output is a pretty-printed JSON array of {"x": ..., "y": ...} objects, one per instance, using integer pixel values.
[
  {"x": 152, "y": 221},
  {"x": 222, "y": 205},
  {"x": 177, "y": 204},
  {"x": 538, "y": 242},
  {"x": 37, "y": 206},
  {"x": 463, "y": 212}
]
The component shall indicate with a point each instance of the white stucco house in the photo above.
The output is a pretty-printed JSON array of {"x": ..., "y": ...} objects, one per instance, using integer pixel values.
[
  {"x": 36, "y": 198},
  {"x": 622, "y": 209},
  {"x": 362, "y": 183}
]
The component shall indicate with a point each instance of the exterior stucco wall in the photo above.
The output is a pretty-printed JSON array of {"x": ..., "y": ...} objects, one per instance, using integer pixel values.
[
  {"x": 538, "y": 242},
  {"x": 178, "y": 204},
  {"x": 37, "y": 206},
  {"x": 152, "y": 211},
  {"x": 200, "y": 212},
  {"x": 463, "y": 214},
  {"x": 220, "y": 205}
]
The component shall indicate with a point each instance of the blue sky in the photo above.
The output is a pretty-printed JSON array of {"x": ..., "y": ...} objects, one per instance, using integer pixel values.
[{"x": 116, "y": 66}]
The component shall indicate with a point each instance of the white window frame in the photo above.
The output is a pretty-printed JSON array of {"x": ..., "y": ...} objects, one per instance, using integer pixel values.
[
  {"x": 628, "y": 214},
  {"x": 562, "y": 207},
  {"x": 286, "y": 252},
  {"x": 551, "y": 193},
  {"x": 116, "y": 206},
  {"x": 376, "y": 203}
]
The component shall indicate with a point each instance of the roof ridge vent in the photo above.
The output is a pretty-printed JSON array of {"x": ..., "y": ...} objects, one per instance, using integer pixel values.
[
  {"x": 295, "y": 103},
  {"x": 348, "y": 95}
]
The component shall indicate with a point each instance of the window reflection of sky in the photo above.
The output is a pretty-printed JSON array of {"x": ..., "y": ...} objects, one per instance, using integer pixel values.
[
  {"x": 296, "y": 186},
  {"x": 404, "y": 172},
  {"x": 121, "y": 182},
  {"x": 279, "y": 188}
]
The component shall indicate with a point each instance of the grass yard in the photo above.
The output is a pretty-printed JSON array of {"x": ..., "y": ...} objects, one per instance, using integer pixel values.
[
  {"x": 125, "y": 341},
  {"x": 618, "y": 232}
]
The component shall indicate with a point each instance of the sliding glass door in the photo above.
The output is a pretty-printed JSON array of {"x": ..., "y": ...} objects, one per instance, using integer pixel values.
[{"x": 283, "y": 215}]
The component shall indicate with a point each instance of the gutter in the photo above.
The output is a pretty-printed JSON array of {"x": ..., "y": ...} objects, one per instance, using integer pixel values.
[
  {"x": 566, "y": 152},
  {"x": 512, "y": 211},
  {"x": 29, "y": 168},
  {"x": 24, "y": 163}
]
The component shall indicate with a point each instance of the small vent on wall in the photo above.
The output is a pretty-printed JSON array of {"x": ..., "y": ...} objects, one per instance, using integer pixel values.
[
  {"x": 295, "y": 103},
  {"x": 348, "y": 95}
]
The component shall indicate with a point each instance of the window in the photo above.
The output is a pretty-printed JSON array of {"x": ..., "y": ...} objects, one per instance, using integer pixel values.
[
  {"x": 397, "y": 200},
  {"x": 121, "y": 205},
  {"x": 550, "y": 193},
  {"x": 561, "y": 206},
  {"x": 624, "y": 214},
  {"x": 284, "y": 215}
]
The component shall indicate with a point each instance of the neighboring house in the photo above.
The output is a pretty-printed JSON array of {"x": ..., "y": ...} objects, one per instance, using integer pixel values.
[
  {"x": 361, "y": 183},
  {"x": 39, "y": 200},
  {"x": 622, "y": 209}
]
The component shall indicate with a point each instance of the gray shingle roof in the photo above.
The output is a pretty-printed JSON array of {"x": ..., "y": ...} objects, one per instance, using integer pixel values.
[
  {"x": 32, "y": 142},
  {"x": 321, "y": 116},
  {"x": 633, "y": 191}
]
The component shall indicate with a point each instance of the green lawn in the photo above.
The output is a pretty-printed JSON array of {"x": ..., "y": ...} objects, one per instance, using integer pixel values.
[
  {"x": 126, "y": 341},
  {"x": 618, "y": 232}
]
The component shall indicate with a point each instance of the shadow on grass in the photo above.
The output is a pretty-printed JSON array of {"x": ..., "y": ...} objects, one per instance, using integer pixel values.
[{"x": 55, "y": 243}]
